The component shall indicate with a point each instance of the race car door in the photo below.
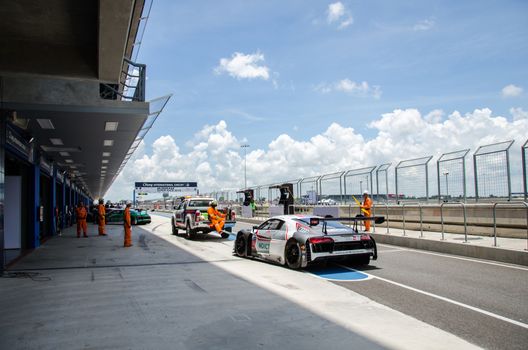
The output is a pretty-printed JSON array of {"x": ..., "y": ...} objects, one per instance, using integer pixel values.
[
  {"x": 263, "y": 238},
  {"x": 278, "y": 239}
]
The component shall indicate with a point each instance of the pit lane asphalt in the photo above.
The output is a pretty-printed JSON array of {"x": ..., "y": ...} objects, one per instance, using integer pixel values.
[{"x": 496, "y": 288}]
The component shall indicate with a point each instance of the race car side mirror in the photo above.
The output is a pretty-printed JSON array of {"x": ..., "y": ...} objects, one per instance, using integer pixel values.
[{"x": 255, "y": 227}]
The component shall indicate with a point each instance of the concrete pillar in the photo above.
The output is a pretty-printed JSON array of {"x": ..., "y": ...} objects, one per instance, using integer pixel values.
[
  {"x": 35, "y": 203},
  {"x": 2, "y": 180},
  {"x": 63, "y": 214},
  {"x": 53, "y": 199}
]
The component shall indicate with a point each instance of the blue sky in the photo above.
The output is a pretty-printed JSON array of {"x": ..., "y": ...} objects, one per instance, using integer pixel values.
[
  {"x": 470, "y": 52},
  {"x": 324, "y": 62}
]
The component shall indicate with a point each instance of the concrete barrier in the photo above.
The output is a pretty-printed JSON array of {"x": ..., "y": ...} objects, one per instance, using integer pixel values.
[{"x": 473, "y": 251}]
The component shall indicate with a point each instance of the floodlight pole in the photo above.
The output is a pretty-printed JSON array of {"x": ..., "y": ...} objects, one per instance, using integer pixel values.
[{"x": 245, "y": 165}]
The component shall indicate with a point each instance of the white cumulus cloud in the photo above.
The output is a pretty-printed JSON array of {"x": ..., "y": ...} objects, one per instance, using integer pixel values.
[
  {"x": 214, "y": 157},
  {"x": 511, "y": 91},
  {"x": 242, "y": 66},
  {"x": 362, "y": 89},
  {"x": 337, "y": 13},
  {"x": 518, "y": 113},
  {"x": 424, "y": 25}
]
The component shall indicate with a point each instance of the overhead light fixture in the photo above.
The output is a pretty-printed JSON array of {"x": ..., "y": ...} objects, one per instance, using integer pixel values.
[
  {"x": 108, "y": 143},
  {"x": 104, "y": 161},
  {"x": 103, "y": 167},
  {"x": 106, "y": 154},
  {"x": 111, "y": 126},
  {"x": 56, "y": 142},
  {"x": 45, "y": 124},
  {"x": 68, "y": 160},
  {"x": 64, "y": 154}
]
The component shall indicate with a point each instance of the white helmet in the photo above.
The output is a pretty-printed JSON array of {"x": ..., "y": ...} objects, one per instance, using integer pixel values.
[{"x": 366, "y": 192}]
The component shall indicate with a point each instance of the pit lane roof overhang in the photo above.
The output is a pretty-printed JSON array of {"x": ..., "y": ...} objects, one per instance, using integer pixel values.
[{"x": 80, "y": 137}]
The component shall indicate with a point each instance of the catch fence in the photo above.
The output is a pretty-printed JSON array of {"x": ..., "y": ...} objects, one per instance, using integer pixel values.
[{"x": 490, "y": 180}]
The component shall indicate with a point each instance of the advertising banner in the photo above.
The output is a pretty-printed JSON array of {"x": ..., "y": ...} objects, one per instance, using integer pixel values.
[{"x": 178, "y": 188}]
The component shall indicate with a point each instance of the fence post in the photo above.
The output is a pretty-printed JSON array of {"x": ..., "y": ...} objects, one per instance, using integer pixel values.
[
  {"x": 475, "y": 176},
  {"x": 525, "y": 180}
]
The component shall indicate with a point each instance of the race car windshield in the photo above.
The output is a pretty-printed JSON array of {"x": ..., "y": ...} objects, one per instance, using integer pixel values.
[{"x": 199, "y": 203}]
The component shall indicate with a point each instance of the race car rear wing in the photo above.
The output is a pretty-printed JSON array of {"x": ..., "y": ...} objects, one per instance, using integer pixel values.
[
  {"x": 377, "y": 219},
  {"x": 316, "y": 221}
]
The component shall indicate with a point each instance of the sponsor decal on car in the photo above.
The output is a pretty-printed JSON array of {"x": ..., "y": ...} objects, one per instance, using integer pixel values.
[
  {"x": 301, "y": 228},
  {"x": 263, "y": 246}
]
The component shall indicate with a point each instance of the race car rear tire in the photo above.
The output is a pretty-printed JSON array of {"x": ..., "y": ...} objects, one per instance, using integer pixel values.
[
  {"x": 241, "y": 246},
  {"x": 363, "y": 259},
  {"x": 292, "y": 254},
  {"x": 188, "y": 233},
  {"x": 174, "y": 229}
]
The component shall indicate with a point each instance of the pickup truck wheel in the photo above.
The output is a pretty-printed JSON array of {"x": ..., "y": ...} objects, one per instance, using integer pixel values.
[
  {"x": 292, "y": 254},
  {"x": 240, "y": 245},
  {"x": 188, "y": 233},
  {"x": 174, "y": 229}
]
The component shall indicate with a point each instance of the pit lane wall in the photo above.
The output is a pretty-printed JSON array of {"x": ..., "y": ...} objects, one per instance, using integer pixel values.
[{"x": 511, "y": 220}]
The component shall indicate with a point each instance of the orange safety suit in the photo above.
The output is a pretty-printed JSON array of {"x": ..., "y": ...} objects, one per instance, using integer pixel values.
[
  {"x": 81, "y": 221},
  {"x": 101, "y": 219},
  {"x": 367, "y": 205},
  {"x": 128, "y": 228},
  {"x": 216, "y": 218}
]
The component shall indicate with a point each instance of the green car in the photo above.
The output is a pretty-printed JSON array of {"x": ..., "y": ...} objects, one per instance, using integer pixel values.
[{"x": 137, "y": 216}]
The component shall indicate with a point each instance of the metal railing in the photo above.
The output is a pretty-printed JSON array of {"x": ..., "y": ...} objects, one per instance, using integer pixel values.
[
  {"x": 263, "y": 213},
  {"x": 421, "y": 216},
  {"x": 131, "y": 86},
  {"x": 495, "y": 219},
  {"x": 465, "y": 218},
  {"x": 387, "y": 217}
]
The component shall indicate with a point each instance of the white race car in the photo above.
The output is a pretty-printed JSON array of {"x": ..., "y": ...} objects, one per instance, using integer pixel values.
[{"x": 298, "y": 240}]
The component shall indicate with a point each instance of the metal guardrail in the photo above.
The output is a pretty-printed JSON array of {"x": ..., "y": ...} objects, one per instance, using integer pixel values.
[
  {"x": 495, "y": 219},
  {"x": 442, "y": 218},
  {"x": 421, "y": 216},
  {"x": 305, "y": 209}
]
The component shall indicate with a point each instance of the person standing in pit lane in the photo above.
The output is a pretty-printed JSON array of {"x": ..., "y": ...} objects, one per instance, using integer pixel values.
[
  {"x": 128, "y": 226},
  {"x": 366, "y": 209},
  {"x": 81, "y": 220},
  {"x": 101, "y": 212}
]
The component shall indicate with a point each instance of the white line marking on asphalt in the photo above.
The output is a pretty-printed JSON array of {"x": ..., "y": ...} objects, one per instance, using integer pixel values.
[
  {"x": 391, "y": 251},
  {"x": 476, "y": 309},
  {"x": 458, "y": 257}
]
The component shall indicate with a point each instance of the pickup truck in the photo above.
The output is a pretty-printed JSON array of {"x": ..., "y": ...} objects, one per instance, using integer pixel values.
[{"x": 191, "y": 217}]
